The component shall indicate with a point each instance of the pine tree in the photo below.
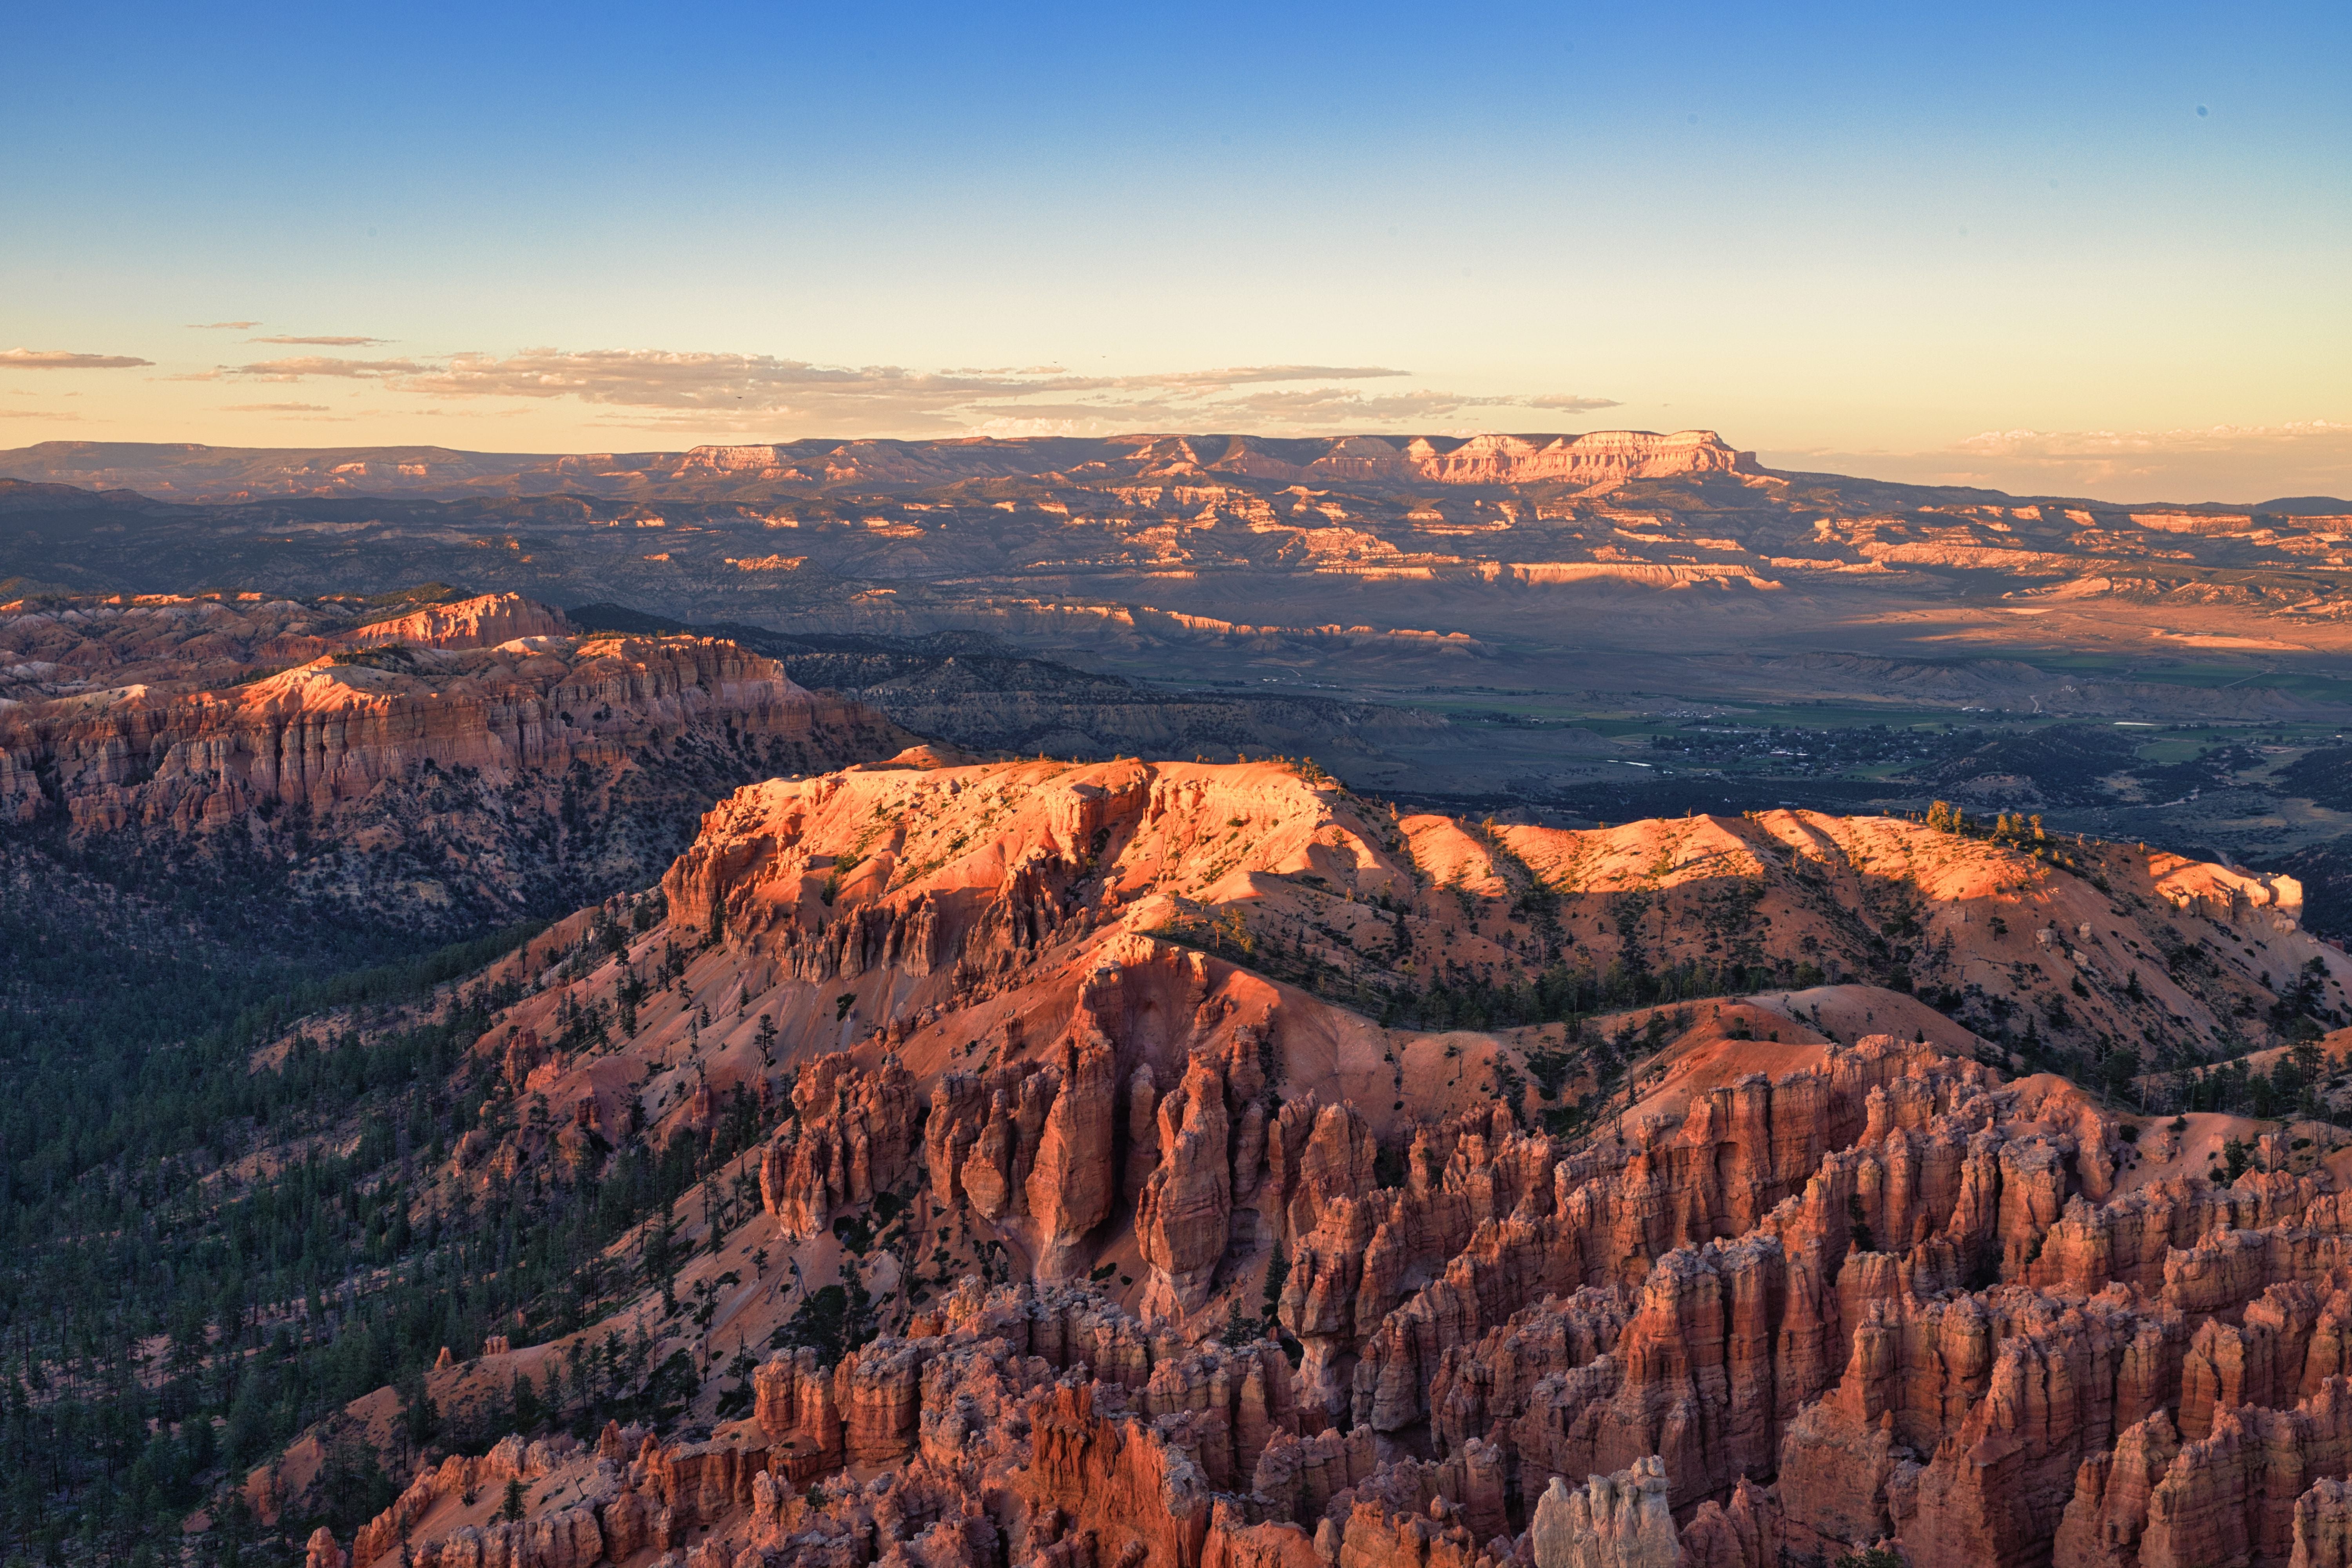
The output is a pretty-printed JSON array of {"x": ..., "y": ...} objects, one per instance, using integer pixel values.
[
  {"x": 1277, "y": 1271},
  {"x": 525, "y": 1399}
]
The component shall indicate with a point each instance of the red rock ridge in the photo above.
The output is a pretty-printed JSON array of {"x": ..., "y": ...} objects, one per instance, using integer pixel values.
[
  {"x": 480, "y": 622},
  {"x": 1878, "y": 1292},
  {"x": 327, "y": 735}
]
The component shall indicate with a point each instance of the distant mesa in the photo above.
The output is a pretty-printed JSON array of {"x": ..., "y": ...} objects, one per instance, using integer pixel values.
[
  {"x": 187, "y": 471},
  {"x": 483, "y": 622}
]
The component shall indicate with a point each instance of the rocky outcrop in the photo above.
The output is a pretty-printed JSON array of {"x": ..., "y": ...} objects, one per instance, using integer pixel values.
[
  {"x": 482, "y": 622},
  {"x": 1182, "y": 1214},
  {"x": 2229, "y": 1497},
  {"x": 1317, "y": 1154},
  {"x": 1094, "y": 1475},
  {"x": 1745, "y": 1532},
  {"x": 1691, "y": 1377},
  {"x": 409, "y": 775},
  {"x": 1619, "y": 1520},
  {"x": 1142, "y": 1131},
  {"x": 1028, "y": 1146},
  {"x": 1591, "y": 1356},
  {"x": 855, "y": 1136},
  {"x": 880, "y": 1391},
  {"x": 1096, "y": 1433},
  {"x": 1491, "y": 1382},
  {"x": 458, "y": 1476},
  {"x": 1071, "y": 1183},
  {"x": 1375, "y": 1534},
  {"x": 1499, "y": 1224},
  {"x": 793, "y": 1404},
  {"x": 815, "y": 869},
  {"x": 1601, "y": 459},
  {"x": 1976, "y": 1412},
  {"x": 326, "y": 734},
  {"x": 2322, "y": 1526},
  {"x": 2108, "y": 1514}
]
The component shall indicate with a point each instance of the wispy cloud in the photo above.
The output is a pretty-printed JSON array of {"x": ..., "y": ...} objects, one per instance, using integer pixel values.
[
  {"x": 2244, "y": 463},
  {"x": 747, "y": 383},
  {"x": 1302, "y": 408},
  {"x": 2125, "y": 446},
  {"x": 59, "y": 358},
  {"x": 1250, "y": 374},
  {"x": 35, "y": 414},
  {"x": 325, "y": 342},
  {"x": 655, "y": 389},
  {"x": 302, "y": 365},
  {"x": 2240, "y": 464},
  {"x": 222, "y": 326},
  {"x": 276, "y": 407},
  {"x": 1569, "y": 402}
]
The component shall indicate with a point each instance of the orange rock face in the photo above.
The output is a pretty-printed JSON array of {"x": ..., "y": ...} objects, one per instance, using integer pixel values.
[
  {"x": 1071, "y": 1183},
  {"x": 1691, "y": 1308},
  {"x": 482, "y": 622},
  {"x": 855, "y": 1137},
  {"x": 1050, "y": 1079},
  {"x": 1182, "y": 1214},
  {"x": 794, "y": 1406}
]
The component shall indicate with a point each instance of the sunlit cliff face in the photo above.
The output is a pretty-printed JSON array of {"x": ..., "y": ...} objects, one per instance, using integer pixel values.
[{"x": 1212, "y": 1160}]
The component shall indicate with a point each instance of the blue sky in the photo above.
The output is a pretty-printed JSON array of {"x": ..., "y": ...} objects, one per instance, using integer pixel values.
[{"x": 2106, "y": 247}]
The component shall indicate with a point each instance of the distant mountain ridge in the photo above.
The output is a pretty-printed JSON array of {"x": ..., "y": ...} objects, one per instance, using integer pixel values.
[
  {"x": 185, "y": 471},
  {"x": 1594, "y": 461}
]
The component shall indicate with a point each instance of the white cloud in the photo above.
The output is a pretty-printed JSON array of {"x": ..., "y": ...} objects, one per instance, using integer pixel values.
[
  {"x": 222, "y": 326},
  {"x": 324, "y": 343}
]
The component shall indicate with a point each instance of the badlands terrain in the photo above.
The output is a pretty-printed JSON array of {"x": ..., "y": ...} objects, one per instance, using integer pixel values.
[
  {"x": 1486, "y": 624},
  {"x": 1212, "y": 1002},
  {"x": 1187, "y": 1164},
  {"x": 1359, "y": 562},
  {"x": 1417, "y": 554},
  {"x": 1353, "y": 562}
]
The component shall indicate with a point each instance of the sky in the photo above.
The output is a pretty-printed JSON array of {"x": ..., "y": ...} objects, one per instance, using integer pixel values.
[{"x": 2095, "y": 251}]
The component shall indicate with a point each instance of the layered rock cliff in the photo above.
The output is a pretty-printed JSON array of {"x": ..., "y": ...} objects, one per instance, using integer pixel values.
[
  {"x": 466, "y": 762},
  {"x": 487, "y": 687}
]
